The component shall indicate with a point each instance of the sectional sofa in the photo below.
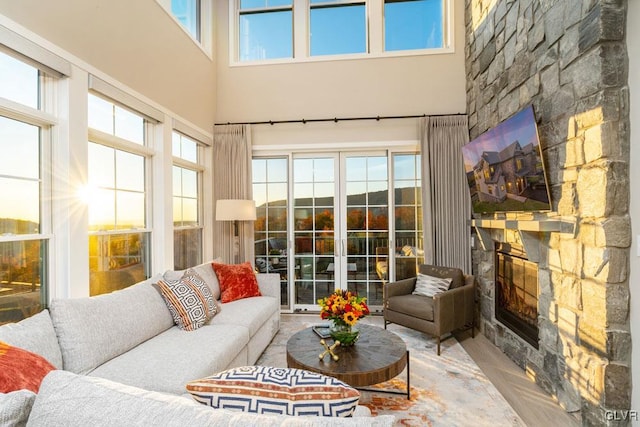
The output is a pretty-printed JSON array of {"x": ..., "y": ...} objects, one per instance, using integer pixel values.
[{"x": 122, "y": 350}]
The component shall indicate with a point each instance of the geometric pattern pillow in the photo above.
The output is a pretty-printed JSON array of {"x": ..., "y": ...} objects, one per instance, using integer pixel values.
[
  {"x": 428, "y": 286},
  {"x": 237, "y": 281},
  {"x": 20, "y": 369},
  {"x": 456, "y": 275},
  {"x": 267, "y": 390},
  {"x": 189, "y": 300}
]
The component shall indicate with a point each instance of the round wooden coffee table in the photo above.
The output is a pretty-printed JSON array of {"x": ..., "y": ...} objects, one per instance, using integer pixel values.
[{"x": 378, "y": 356}]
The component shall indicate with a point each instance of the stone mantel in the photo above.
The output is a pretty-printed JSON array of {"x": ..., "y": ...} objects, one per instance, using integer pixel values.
[{"x": 529, "y": 230}]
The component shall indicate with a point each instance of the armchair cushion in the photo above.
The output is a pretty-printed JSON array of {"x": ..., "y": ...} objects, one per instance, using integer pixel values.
[
  {"x": 412, "y": 305},
  {"x": 455, "y": 274},
  {"x": 428, "y": 286}
]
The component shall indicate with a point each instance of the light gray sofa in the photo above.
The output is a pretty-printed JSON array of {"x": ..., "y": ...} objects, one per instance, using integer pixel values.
[{"x": 122, "y": 350}]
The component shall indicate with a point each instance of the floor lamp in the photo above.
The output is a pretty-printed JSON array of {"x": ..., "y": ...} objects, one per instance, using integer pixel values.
[{"x": 235, "y": 210}]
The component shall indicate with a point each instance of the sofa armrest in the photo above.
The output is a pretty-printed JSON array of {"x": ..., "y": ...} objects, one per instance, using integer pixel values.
[
  {"x": 269, "y": 284},
  {"x": 401, "y": 287},
  {"x": 454, "y": 308}
]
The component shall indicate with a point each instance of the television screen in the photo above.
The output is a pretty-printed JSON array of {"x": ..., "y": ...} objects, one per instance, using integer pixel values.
[{"x": 504, "y": 167}]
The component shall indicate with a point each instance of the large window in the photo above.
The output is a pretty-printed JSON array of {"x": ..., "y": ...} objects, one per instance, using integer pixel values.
[
  {"x": 187, "y": 237},
  {"x": 337, "y": 27},
  {"x": 119, "y": 241},
  {"x": 187, "y": 12},
  {"x": 265, "y": 29},
  {"x": 413, "y": 24},
  {"x": 24, "y": 219}
]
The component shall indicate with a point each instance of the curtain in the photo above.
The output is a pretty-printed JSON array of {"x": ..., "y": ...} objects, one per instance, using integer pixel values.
[
  {"x": 445, "y": 192},
  {"x": 232, "y": 180}
]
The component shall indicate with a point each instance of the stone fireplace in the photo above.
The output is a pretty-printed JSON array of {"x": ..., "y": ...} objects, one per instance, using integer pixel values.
[
  {"x": 516, "y": 284},
  {"x": 567, "y": 59}
]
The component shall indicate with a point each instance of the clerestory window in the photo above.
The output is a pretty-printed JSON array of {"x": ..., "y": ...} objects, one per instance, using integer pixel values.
[
  {"x": 302, "y": 30},
  {"x": 337, "y": 27}
]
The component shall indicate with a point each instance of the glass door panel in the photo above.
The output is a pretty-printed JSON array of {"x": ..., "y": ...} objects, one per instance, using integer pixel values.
[
  {"x": 314, "y": 224},
  {"x": 366, "y": 225}
]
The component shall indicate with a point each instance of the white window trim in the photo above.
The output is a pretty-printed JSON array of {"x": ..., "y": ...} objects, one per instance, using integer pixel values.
[
  {"x": 206, "y": 24},
  {"x": 375, "y": 36}
]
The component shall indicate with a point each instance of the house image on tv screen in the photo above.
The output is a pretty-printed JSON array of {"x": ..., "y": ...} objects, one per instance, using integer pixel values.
[
  {"x": 504, "y": 167},
  {"x": 512, "y": 171}
]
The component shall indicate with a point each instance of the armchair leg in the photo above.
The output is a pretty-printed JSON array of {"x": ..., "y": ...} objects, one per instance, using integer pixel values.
[
  {"x": 385, "y": 323},
  {"x": 438, "y": 341}
]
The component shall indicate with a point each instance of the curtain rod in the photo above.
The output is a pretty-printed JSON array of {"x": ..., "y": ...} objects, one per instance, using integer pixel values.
[{"x": 337, "y": 119}]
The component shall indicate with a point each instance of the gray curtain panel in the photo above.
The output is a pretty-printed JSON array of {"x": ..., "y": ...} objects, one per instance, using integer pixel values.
[
  {"x": 445, "y": 193},
  {"x": 232, "y": 179}
]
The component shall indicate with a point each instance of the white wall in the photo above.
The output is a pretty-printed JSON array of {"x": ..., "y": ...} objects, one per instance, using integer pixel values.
[
  {"x": 135, "y": 42},
  {"x": 409, "y": 85},
  {"x": 633, "y": 48}
]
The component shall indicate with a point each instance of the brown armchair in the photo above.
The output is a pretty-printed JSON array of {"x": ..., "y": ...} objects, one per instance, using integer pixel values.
[{"x": 441, "y": 314}]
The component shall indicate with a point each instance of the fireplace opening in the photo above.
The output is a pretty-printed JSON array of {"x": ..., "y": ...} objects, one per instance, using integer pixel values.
[{"x": 517, "y": 292}]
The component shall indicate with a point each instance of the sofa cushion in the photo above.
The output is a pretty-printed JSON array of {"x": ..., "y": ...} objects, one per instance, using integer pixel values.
[
  {"x": 168, "y": 361},
  {"x": 236, "y": 281},
  {"x": 15, "y": 407},
  {"x": 94, "y": 330},
  {"x": 67, "y": 399},
  {"x": 456, "y": 275},
  {"x": 21, "y": 369},
  {"x": 267, "y": 390},
  {"x": 189, "y": 300},
  {"x": 235, "y": 313},
  {"x": 412, "y": 305},
  {"x": 204, "y": 270},
  {"x": 35, "y": 334},
  {"x": 428, "y": 286}
]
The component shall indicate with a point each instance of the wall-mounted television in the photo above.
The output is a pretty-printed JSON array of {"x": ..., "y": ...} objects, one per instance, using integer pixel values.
[{"x": 504, "y": 167}]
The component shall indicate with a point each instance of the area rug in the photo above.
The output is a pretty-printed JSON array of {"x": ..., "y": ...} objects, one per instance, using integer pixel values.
[{"x": 446, "y": 390}]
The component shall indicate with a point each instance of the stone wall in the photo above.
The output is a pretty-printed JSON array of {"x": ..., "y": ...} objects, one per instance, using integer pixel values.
[{"x": 568, "y": 59}]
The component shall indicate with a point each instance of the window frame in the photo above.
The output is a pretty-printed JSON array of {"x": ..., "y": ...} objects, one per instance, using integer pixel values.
[
  {"x": 336, "y": 5},
  {"x": 199, "y": 168},
  {"x": 205, "y": 24},
  {"x": 147, "y": 152},
  {"x": 374, "y": 37},
  {"x": 44, "y": 119}
]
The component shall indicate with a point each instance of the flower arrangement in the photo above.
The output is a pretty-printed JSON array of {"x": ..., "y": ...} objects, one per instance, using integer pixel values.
[{"x": 344, "y": 308}]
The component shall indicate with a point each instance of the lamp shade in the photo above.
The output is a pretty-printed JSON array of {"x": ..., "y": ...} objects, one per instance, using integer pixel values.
[{"x": 235, "y": 210}]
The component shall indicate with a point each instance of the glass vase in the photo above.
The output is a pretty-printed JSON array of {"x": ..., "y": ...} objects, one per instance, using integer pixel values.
[{"x": 346, "y": 334}]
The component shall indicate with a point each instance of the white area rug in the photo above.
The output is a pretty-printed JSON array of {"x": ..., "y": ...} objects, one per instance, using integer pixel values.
[{"x": 446, "y": 390}]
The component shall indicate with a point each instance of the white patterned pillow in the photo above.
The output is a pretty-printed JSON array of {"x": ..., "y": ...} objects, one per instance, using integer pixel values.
[
  {"x": 428, "y": 286},
  {"x": 189, "y": 300},
  {"x": 285, "y": 391}
]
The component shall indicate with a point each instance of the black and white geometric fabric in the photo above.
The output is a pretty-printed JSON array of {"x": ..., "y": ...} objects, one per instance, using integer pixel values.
[
  {"x": 268, "y": 390},
  {"x": 189, "y": 300},
  {"x": 428, "y": 286}
]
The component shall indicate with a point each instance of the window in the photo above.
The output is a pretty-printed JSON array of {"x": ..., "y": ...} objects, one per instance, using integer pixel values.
[
  {"x": 119, "y": 241},
  {"x": 413, "y": 24},
  {"x": 409, "y": 237},
  {"x": 265, "y": 29},
  {"x": 187, "y": 12},
  {"x": 24, "y": 220},
  {"x": 337, "y": 27},
  {"x": 303, "y": 30},
  {"x": 187, "y": 237},
  {"x": 270, "y": 191}
]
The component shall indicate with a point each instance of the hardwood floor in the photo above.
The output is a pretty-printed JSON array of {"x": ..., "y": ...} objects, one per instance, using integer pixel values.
[{"x": 535, "y": 407}]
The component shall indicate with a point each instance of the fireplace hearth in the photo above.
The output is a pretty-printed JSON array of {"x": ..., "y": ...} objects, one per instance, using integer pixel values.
[{"x": 516, "y": 305}]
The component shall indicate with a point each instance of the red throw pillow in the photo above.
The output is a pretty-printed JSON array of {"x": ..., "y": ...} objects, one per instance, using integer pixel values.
[
  {"x": 237, "y": 281},
  {"x": 21, "y": 369}
]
